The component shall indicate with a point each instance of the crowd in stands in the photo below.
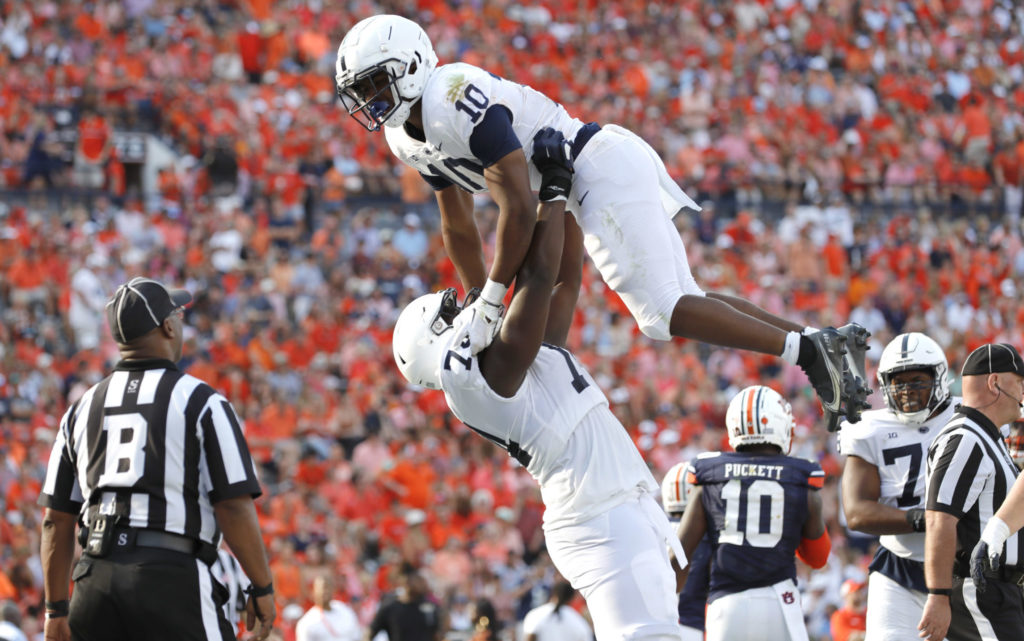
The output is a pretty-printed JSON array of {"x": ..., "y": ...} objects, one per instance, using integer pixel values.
[{"x": 875, "y": 127}]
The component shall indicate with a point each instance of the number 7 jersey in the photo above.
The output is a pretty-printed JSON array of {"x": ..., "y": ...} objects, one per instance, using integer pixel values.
[
  {"x": 455, "y": 105},
  {"x": 755, "y": 506},
  {"x": 558, "y": 426}
]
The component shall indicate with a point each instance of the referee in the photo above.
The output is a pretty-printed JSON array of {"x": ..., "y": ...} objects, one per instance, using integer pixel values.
[
  {"x": 969, "y": 474},
  {"x": 153, "y": 464}
]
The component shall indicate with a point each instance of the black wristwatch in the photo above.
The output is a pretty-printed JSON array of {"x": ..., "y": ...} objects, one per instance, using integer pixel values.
[
  {"x": 941, "y": 591},
  {"x": 57, "y": 609}
]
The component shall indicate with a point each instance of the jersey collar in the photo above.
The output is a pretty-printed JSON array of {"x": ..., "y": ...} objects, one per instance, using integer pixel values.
[
  {"x": 982, "y": 420},
  {"x": 138, "y": 364}
]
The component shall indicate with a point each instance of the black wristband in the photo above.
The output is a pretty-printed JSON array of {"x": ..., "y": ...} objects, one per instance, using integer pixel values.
[
  {"x": 915, "y": 518},
  {"x": 555, "y": 184},
  {"x": 256, "y": 592},
  {"x": 941, "y": 591},
  {"x": 57, "y": 609}
]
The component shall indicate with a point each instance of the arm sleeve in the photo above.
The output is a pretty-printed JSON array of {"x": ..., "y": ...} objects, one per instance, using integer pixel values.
[
  {"x": 493, "y": 137},
  {"x": 850, "y": 445},
  {"x": 958, "y": 474},
  {"x": 814, "y": 552},
  {"x": 226, "y": 454},
  {"x": 60, "y": 489}
]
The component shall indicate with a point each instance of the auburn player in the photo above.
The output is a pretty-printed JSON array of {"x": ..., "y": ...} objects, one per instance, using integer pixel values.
[
  {"x": 884, "y": 478},
  {"x": 759, "y": 507},
  {"x": 468, "y": 131},
  {"x": 526, "y": 393},
  {"x": 675, "y": 491}
]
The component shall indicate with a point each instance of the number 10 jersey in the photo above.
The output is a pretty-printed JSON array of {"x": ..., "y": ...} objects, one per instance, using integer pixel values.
[
  {"x": 558, "y": 426},
  {"x": 755, "y": 506}
]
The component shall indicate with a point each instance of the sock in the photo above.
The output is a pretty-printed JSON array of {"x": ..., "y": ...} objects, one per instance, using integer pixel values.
[
  {"x": 791, "y": 352},
  {"x": 808, "y": 353}
]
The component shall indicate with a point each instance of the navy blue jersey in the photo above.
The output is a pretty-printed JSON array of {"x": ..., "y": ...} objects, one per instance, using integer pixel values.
[
  {"x": 755, "y": 506},
  {"x": 693, "y": 599}
]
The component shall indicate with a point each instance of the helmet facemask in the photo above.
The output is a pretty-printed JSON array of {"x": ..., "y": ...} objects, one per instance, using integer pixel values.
[
  {"x": 904, "y": 399},
  {"x": 417, "y": 342},
  {"x": 372, "y": 97}
]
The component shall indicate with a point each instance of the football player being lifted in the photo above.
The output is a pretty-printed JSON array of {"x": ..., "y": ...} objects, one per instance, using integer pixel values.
[
  {"x": 468, "y": 131},
  {"x": 529, "y": 395},
  {"x": 884, "y": 478},
  {"x": 759, "y": 508}
]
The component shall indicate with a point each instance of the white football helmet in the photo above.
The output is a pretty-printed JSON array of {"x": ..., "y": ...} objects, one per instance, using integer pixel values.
[
  {"x": 675, "y": 490},
  {"x": 419, "y": 337},
  {"x": 913, "y": 351},
  {"x": 382, "y": 69},
  {"x": 759, "y": 414}
]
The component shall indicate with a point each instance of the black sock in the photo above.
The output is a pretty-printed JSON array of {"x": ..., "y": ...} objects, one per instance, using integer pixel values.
[{"x": 808, "y": 354}]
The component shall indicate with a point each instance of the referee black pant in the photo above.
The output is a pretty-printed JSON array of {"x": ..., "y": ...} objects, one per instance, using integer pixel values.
[
  {"x": 995, "y": 614},
  {"x": 147, "y": 594}
]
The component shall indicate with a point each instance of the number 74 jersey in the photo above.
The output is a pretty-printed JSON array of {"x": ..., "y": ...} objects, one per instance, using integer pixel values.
[{"x": 755, "y": 506}]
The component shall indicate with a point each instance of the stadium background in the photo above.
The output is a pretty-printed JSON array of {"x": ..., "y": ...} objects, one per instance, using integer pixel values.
[{"x": 858, "y": 160}]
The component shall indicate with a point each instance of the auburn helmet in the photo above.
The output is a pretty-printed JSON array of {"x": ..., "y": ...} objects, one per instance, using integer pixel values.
[
  {"x": 757, "y": 415},
  {"x": 675, "y": 489}
]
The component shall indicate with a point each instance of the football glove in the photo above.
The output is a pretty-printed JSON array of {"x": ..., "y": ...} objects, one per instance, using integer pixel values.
[
  {"x": 553, "y": 158},
  {"x": 481, "y": 319},
  {"x": 986, "y": 554}
]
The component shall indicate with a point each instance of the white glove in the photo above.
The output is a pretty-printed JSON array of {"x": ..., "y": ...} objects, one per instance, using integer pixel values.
[
  {"x": 995, "y": 534},
  {"x": 482, "y": 319}
]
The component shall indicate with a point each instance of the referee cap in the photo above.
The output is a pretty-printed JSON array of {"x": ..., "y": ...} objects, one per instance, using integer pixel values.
[
  {"x": 140, "y": 305},
  {"x": 994, "y": 358}
]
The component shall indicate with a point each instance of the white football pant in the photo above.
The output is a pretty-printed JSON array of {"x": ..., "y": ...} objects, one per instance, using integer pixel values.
[
  {"x": 626, "y": 216},
  {"x": 619, "y": 563},
  {"x": 893, "y": 610},
  {"x": 757, "y": 614}
]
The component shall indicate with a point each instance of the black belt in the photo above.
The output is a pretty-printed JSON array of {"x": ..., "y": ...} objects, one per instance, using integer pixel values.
[
  {"x": 583, "y": 136},
  {"x": 166, "y": 541}
]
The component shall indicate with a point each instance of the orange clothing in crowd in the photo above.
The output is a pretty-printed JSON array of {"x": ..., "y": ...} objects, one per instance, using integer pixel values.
[{"x": 93, "y": 135}]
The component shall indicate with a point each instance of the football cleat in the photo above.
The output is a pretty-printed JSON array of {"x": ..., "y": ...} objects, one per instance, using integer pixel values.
[
  {"x": 857, "y": 389},
  {"x": 829, "y": 372},
  {"x": 837, "y": 375}
]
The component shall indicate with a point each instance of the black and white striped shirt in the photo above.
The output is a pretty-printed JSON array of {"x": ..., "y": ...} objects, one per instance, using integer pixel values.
[
  {"x": 152, "y": 444},
  {"x": 969, "y": 474}
]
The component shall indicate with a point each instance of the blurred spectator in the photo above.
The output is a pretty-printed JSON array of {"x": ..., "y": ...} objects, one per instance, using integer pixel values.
[
  {"x": 328, "y": 619},
  {"x": 411, "y": 240},
  {"x": 95, "y": 142},
  {"x": 10, "y": 622},
  {"x": 411, "y": 615},
  {"x": 848, "y": 623}
]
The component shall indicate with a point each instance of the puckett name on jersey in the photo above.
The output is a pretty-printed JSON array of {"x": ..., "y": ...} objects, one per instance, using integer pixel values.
[{"x": 747, "y": 470}]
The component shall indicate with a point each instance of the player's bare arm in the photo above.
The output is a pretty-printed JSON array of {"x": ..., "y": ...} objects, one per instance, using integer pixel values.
[
  {"x": 57, "y": 551},
  {"x": 508, "y": 181},
  {"x": 862, "y": 487},
  {"x": 460, "y": 235},
  {"x": 505, "y": 362},
  {"x": 567, "y": 285},
  {"x": 814, "y": 526},
  {"x": 693, "y": 525}
]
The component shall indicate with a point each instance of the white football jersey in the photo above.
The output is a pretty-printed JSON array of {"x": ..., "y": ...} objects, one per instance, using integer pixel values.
[
  {"x": 899, "y": 452},
  {"x": 558, "y": 426},
  {"x": 455, "y": 99}
]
